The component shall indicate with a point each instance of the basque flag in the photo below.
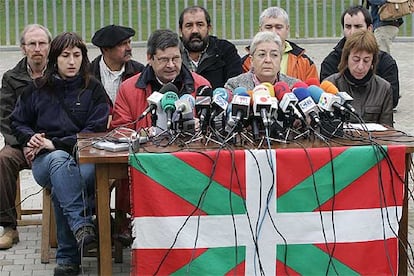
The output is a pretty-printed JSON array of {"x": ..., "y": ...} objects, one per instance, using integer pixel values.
[{"x": 313, "y": 211}]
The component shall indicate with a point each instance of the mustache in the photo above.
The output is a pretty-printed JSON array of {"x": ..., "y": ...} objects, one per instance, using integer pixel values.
[
  {"x": 128, "y": 53},
  {"x": 196, "y": 35}
]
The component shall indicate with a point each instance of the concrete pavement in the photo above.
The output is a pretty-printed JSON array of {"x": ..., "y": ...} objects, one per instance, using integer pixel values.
[{"x": 24, "y": 258}]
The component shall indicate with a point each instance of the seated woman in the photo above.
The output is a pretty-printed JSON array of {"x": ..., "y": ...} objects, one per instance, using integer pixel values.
[
  {"x": 265, "y": 67},
  {"x": 372, "y": 94},
  {"x": 46, "y": 120}
]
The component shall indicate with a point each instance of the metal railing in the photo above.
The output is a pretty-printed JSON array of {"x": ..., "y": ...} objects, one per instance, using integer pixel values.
[{"x": 231, "y": 19}]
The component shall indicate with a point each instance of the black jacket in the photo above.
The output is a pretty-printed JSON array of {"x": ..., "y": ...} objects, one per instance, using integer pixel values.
[
  {"x": 386, "y": 68},
  {"x": 132, "y": 67},
  {"x": 219, "y": 63},
  {"x": 13, "y": 84}
]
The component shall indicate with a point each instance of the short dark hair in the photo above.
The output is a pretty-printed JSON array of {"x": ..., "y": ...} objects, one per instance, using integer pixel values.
[
  {"x": 194, "y": 9},
  {"x": 162, "y": 39},
  {"x": 353, "y": 10},
  {"x": 59, "y": 44}
]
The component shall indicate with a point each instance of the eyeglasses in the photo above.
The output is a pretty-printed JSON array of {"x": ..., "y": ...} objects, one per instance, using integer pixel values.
[
  {"x": 165, "y": 60},
  {"x": 32, "y": 45},
  {"x": 262, "y": 55}
]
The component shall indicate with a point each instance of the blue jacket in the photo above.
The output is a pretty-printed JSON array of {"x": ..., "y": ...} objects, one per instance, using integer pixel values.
[{"x": 40, "y": 110}]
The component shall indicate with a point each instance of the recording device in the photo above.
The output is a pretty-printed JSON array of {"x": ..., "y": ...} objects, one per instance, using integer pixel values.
[
  {"x": 153, "y": 102},
  {"x": 262, "y": 104},
  {"x": 202, "y": 105},
  {"x": 287, "y": 100},
  {"x": 240, "y": 107}
]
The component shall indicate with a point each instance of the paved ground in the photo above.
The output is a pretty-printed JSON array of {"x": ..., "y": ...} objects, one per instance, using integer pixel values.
[{"x": 24, "y": 258}]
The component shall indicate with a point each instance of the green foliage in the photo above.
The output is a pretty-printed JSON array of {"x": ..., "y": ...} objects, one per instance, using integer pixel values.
[{"x": 241, "y": 17}]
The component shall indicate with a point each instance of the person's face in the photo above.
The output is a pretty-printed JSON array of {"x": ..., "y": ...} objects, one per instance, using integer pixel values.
[
  {"x": 119, "y": 54},
  {"x": 166, "y": 64},
  {"x": 276, "y": 25},
  {"x": 354, "y": 23},
  {"x": 359, "y": 63},
  {"x": 69, "y": 62},
  {"x": 266, "y": 61},
  {"x": 36, "y": 46},
  {"x": 194, "y": 31}
]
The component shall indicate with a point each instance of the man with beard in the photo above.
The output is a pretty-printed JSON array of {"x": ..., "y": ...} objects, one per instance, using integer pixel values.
[
  {"x": 34, "y": 42},
  {"x": 114, "y": 65},
  {"x": 215, "y": 59}
]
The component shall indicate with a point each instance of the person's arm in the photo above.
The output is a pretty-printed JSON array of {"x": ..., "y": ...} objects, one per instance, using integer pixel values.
[
  {"x": 377, "y": 2},
  {"x": 387, "y": 69},
  {"x": 329, "y": 66},
  {"x": 123, "y": 113},
  {"x": 8, "y": 99},
  {"x": 387, "y": 115}
]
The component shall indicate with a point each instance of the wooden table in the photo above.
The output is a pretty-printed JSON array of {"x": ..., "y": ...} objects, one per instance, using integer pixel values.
[{"x": 114, "y": 165}]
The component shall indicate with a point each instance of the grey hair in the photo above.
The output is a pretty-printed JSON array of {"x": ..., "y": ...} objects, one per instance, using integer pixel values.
[
  {"x": 273, "y": 12},
  {"x": 264, "y": 36},
  {"x": 33, "y": 27}
]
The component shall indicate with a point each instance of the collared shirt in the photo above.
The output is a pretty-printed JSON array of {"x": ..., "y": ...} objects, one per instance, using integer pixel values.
[
  {"x": 30, "y": 71},
  {"x": 285, "y": 57},
  {"x": 194, "y": 64},
  {"x": 111, "y": 80}
]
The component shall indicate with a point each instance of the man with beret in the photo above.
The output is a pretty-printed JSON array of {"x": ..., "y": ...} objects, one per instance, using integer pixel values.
[{"x": 114, "y": 65}]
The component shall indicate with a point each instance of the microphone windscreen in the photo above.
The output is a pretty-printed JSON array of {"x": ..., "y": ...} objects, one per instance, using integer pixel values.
[
  {"x": 168, "y": 100},
  {"x": 301, "y": 93},
  {"x": 204, "y": 90},
  {"x": 313, "y": 81},
  {"x": 329, "y": 87},
  {"x": 281, "y": 88},
  {"x": 222, "y": 92},
  {"x": 270, "y": 88},
  {"x": 168, "y": 87},
  {"x": 189, "y": 98},
  {"x": 315, "y": 92},
  {"x": 299, "y": 84},
  {"x": 240, "y": 90}
]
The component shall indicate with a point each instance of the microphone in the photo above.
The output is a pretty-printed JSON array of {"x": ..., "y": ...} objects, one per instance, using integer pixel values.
[
  {"x": 240, "y": 107},
  {"x": 307, "y": 105},
  {"x": 202, "y": 104},
  {"x": 168, "y": 87},
  {"x": 287, "y": 100},
  {"x": 153, "y": 102},
  {"x": 313, "y": 81},
  {"x": 262, "y": 103},
  {"x": 299, "y": 84},
  {"x": 168, "y": 105},
  {"x": 222, "y": 92},
  {"x": 185, "y": 104},
  {"x": 329, "y": 87},
  {"x": 270, "y": 88}
]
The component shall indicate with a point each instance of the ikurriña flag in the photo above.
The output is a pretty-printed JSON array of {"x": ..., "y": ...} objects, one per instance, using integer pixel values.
[{"x": 287, "y": 211}]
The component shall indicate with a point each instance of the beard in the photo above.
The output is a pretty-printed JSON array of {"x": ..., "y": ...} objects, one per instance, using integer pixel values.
[{"x": 195, "y": 43}]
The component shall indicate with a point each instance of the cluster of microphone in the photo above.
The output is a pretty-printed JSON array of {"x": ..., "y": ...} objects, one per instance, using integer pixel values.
[{"x": 273, "y": 111}]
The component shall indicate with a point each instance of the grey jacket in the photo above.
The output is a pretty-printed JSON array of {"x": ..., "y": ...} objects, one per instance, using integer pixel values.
[
  {"x": 372, "y": 100},
  {"x": 246, "y": 80}
]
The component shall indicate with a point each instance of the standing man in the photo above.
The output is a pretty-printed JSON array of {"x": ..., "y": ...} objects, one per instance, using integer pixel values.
[
  {"x": 353, "y": 19},
  {"x": 215, "y": 59},
  {"x": 384, "y": 31},
  {"x": 295, "y": 63},
  {"x": 34, "y": 42},
  {"x": 114, "y": 65}
]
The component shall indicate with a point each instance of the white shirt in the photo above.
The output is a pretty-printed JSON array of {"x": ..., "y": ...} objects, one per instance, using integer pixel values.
[{"x": 111, "y": 80}]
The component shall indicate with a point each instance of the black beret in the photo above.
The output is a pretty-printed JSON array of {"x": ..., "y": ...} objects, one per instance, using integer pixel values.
[{"x": 112, "y": 35}]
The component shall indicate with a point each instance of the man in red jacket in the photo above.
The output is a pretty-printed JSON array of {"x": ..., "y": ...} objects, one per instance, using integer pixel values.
[
  {"x": 164, "y": 66},
  {"x": 295, "y": 63}
]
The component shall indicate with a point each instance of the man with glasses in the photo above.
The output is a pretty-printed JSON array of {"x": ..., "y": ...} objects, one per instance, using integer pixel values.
[
  {"x": 34, "y": 42},
  {"x": 215, "y": 59},
  {"x": 164, "y": 65}
]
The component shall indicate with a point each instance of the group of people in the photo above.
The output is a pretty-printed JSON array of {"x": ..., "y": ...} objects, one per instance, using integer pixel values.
[{"x": 54, "y": 93}]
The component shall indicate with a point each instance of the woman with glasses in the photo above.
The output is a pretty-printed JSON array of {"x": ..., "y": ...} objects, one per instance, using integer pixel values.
[
  {"x": 265, "y": 67},
  {"x": 47, "y": 118}
]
